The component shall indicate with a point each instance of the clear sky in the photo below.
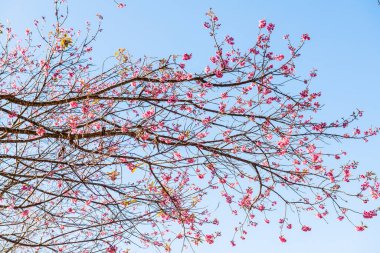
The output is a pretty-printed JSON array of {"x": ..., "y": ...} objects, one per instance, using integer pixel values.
[{"x": 345, "y": 48}]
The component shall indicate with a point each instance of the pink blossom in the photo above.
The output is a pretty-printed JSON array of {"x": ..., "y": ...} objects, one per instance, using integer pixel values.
[
  {"x": 222, "y": 107},
  {"x": 224, "y": 95},
  {"x": 111, "y": 249},
  {"x": 206, "y": 25},
  {"x": 305, "y": 36},
  {"x": 369, "y": 214},
  {"x": 189, "y": 95},
  {"x": 270, "y": 27},
  {"x": 177, "y": 155},
  {"x": 283, "y": 143},
  {"x": 262, "y": 23},
  {"x": 148, "y": 113},
  {"x": 282, "y": 239},
  {"x": 187, "y": 57},
  {"x": 40, "y": 131},
  {"x": 124, "y": 129},
  {"x": 201, "y": 135},
  {"x": 12, "y": 114},
  {"x": 26, "y": 187},
  {"x": 230, "y": 40},
  {"x": 280, "y": 57},
  {"x": 313, "y": 73},
  {"x": 25, "y": 213},
  {"x": 360, "y": 228},
  {"x": 172, "y": 99},
  {"x": 73, "y": 104},
  {"x": 85, "y": 109},
  {"x": 206, "y": 121},
  {"x": 209, "y": 239},
  {"x": 218, "y": 73}
]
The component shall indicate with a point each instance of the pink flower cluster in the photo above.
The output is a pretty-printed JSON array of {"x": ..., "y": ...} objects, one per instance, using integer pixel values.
[{"x": 369, "y": 214}]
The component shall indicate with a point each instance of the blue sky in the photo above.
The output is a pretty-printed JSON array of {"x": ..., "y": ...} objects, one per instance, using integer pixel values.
[{"x": 344, "y": 48}]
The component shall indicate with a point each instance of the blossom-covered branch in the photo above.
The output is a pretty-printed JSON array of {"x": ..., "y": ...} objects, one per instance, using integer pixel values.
[{"x": 132, "y": 153}]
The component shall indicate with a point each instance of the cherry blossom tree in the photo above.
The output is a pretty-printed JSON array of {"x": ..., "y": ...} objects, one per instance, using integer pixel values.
[{"x": 131, "y": 153}]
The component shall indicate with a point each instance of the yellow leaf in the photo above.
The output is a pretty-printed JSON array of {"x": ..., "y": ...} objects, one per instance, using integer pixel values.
[
  {"x": 113, "y": 175},
  {"x": 167, "y": 247},
  {"x": 66, "y": 41},
  {"x": 136, "y": 166},
  {"x": 128, "y": 202}
]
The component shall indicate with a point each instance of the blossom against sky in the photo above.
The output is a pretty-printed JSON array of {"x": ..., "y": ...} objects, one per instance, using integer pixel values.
[{"x": 344, "y": 48}]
